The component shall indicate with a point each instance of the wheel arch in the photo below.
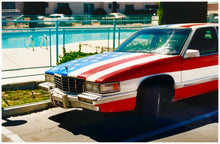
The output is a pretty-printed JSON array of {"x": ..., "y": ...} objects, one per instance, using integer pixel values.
[{"x": 166, "y": 81}]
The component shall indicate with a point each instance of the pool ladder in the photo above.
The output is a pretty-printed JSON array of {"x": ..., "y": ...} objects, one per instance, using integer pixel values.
[
  {"x": 30, "y": 39},
  {"x": 46, "y": 41}
]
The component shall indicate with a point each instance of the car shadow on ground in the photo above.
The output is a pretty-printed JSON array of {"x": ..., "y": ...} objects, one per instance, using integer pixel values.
[
  {"x": 9, "y": 122},
  {"x": 116, "y": 127}
]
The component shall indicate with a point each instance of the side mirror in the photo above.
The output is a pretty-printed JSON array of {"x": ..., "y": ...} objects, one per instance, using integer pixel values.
[{"x": 192, "y": 53}]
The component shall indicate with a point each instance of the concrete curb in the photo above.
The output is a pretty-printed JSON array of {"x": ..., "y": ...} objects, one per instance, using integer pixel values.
[
  {"x": 21, "y": 86},
  {"x": 27, "y": 108}
]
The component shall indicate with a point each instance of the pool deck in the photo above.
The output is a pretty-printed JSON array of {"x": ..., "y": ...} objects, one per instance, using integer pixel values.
[
  {"x": 40, "y": 57},
  {"x": 25, "y": 57}
]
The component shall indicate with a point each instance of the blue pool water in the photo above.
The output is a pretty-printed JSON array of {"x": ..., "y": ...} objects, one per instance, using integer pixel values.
[{"x": 19, "y": 39}]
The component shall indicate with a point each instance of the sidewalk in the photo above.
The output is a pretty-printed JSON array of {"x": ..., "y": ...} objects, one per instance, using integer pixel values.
[{"x": 24, "y": 58}]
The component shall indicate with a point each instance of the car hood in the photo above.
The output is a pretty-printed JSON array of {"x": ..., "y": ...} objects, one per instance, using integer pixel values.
[{"x": 107, "y": 67}]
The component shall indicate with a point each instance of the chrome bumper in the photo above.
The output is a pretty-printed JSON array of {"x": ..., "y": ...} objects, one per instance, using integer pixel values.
[
  {"x": 64, "y": 100},
  {"x": 46, "y": 86},
  {"x": 85, "y": 100}
]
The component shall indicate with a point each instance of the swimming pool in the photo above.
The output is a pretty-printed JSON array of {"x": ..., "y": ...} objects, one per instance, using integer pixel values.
[{"x": 19, "y": 39}]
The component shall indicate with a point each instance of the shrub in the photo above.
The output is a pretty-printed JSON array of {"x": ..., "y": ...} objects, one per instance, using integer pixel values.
[{"x": 73, "y": 55}]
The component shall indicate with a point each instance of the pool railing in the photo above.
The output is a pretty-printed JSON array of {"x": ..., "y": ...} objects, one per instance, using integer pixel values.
[{"x": 58, "y": 26}]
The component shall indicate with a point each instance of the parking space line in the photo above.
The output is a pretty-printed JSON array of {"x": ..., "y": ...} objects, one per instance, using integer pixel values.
[
  {"x": 13, "y": 137},
  {"x": 171, "y": 127}
]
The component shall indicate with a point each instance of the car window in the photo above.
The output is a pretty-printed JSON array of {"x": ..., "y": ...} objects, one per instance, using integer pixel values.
[
  {"x": 120, "y": 15},
  {"x": 110, "y": 15},
  {"x": 55, "y": 16},
  {"x": 156, "y": 41},
  {"x": 205, "y": 40}
]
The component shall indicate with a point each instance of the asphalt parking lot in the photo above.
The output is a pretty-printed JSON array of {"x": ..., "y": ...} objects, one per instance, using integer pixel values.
[{"x": 196, "y": 120}]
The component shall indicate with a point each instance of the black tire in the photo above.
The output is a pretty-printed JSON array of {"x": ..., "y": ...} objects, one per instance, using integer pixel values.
[{"x": 149, "y": 100}]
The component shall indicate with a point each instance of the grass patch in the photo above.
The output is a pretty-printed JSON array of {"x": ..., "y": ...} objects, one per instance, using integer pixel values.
[{"x": 20, "y": 97}]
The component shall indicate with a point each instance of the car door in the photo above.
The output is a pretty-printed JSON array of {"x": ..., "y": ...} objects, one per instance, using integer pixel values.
[{"x": 200, "y": 73}]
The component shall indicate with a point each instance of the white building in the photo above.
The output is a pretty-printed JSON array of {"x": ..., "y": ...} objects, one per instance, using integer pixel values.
[{"x": 85, "y": 8}]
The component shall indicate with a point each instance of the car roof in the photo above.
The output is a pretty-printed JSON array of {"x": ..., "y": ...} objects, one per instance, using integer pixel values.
[
  {"x": 187, "y": 25},
  {"x": 56, "y": 14},
  {"x": 115, "y": 13}
]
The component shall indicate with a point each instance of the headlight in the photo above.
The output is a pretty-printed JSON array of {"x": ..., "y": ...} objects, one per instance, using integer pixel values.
[
  {"x": 93, "y": 87},
  {"x": 102, "y": 88},
  {"x": 49, "y": 78}
]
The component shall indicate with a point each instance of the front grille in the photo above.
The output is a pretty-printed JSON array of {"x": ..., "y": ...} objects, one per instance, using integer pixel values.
[{"x": 68, "y": 84}]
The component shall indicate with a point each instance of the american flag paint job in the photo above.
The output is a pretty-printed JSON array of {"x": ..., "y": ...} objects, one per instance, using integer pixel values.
[
  {"x": 138, "y": 68},
  {"x": 113, "y": 66},
  {"x": 83, "y": 64},
  {"x": 191, "y": 76}
]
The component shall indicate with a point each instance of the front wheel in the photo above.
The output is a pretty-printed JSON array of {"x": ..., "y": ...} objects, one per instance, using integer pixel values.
[{"x": 149, "y": 100}]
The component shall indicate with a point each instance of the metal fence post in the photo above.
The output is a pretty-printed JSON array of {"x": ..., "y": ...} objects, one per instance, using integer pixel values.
[
  {"x": 114, "y": 25},
  {"x": 57, "y": 35},
  {"x": 50, "y": 50},
  {"x": 119, "y": 33},
  {"x": 63, "y": 38},
  {"x": 108, "y": 38}
]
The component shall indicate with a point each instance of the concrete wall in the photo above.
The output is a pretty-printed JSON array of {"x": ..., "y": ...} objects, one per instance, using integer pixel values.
[
  {"x": 51, "y": 7},
  {"x": 19, "y": 5}
]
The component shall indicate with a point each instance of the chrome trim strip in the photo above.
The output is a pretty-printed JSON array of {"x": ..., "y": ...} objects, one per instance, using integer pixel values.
[
  {"x": 196, "y": 81},
  {"x": 56, "y": 74},
  {"x": 80, "y": 104},
  {"x": 209, "y": 54},
  {"x": 177, "y": 86},
  {"x": 89, "y": 97},
  {"x": 202, "y": 80},
  {"x": 117, "y": 97}
]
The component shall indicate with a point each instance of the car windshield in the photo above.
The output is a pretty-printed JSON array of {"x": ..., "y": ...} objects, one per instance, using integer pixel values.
[
  {"x": 156, "y": 41},
  {"x": 120, "y": 14},
  {"x": 55, "y": 16}
]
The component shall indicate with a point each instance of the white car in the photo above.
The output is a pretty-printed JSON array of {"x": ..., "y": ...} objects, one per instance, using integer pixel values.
[
  {"x": 54, "y": 17},
  {"x": 112, "y": 16}
]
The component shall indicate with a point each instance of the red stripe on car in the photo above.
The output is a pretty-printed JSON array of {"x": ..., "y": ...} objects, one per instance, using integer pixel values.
[{"x": 111, "y": 64}]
